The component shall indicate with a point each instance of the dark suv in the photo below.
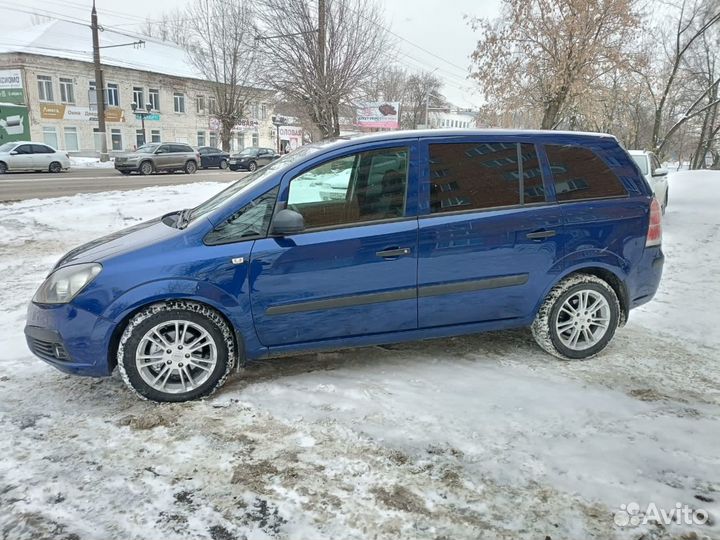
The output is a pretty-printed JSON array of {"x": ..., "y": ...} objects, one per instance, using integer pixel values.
[
  {"x": 252, "y": 158},
  {"x": 427, "y": 234},
  {"x": 156, "y": 157}
]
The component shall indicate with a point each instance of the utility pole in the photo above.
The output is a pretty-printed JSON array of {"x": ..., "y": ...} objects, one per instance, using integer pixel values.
[
  {"x": 321, "y": 61},
  {"x": 99, "y": 86}
]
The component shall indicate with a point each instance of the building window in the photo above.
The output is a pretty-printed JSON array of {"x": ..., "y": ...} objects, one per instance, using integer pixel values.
[
  {"x": 263, "y": 111},
  {"x": 213, "y": 139},
  {"x": 92, "y": 94},
  {"x": 212, "y": 105},
  {"x": 67, "y": 90},
  {"x": 200, "y": 101},
  {"x": 139, "y": 137},
  {"x": 179, "y": 102},
  {"x": 201, "y": 138},
  {"x": 50, "y": 136},
  {"x": 72, "y": 143},
  {"x": 45, "y": 89},
  {"x": 154, "y": 98},
  {"x": 255, "y": 139},
  {"x": 155, "y": 135},
  {"x": 139, "y": 97},
  {"x": 116, "y": 138},
  {"x": 112, "y": 95}
]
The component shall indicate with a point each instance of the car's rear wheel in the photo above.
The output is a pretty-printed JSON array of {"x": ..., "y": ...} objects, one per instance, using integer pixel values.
[
  {"x": 578, "y": 318},
  {"x": 3, "y": 167},
  {"x": 146, "y": 168},
  {"x": 190, "y": 167},
  {"x": 55, "y": 167},
  {"x": 252, "y": 167},
  {"x": 176, "y": 351},
  {"x": 223, "y": 164}
]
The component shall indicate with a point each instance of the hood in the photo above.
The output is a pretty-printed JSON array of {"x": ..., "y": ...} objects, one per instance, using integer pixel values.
[{"x": 119, "y": 243}]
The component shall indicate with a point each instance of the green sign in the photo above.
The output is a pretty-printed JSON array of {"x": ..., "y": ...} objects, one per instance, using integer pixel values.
[
  {"x": 153, "y": 116},
  {"x": 14, "y": 123},
  {"x": 11, "y": 88}
]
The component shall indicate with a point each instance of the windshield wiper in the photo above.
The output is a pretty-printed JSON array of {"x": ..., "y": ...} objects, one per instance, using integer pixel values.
[{"x": 184, "y": 218}]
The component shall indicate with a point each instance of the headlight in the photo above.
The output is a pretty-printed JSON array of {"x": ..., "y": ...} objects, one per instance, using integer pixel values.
[{"x": 64, "y": 284}]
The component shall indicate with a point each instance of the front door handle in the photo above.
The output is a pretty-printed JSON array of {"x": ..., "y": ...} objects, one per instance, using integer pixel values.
[
  {"x": 393, "y": 253},
  {"x": 540, "y": 235}
]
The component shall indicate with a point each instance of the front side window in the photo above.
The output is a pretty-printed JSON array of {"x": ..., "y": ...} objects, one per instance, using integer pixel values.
[
  {"x": 179, "y": 101},
  {"x": 476, "y": 176},
  {"x": 67, "y": 90},
  {"x": 251, "y": 221},
  {"x": 369, "y": 186},
  {"x": 45, "y": 89},
  {"x": 24, "y": 149},
  {"x": 580, "y": 174}
]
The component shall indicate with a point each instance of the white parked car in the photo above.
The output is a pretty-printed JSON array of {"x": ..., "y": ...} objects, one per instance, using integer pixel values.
[
  {"x": 30, "y": 156},
  {"x": 654, "y": 173}
]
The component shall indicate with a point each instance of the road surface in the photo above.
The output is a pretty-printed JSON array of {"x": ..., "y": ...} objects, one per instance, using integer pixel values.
[{"x": 20, "y": 186}]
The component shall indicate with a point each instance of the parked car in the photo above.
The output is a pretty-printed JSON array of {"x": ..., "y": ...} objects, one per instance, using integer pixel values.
[
  {"x": 211, "y": 157},
  {"x": 157, "y": 157},
  {"x": 440, "y": 233},
  {"x": 251, "y": 159},
  {"x": 30, "y": 156},
  {"x": 654, "y": 173}
]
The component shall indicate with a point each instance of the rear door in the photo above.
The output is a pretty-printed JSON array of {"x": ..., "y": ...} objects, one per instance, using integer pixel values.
[
  {"x": 353, "y": 270},
  {"x": 489, "y": 239},
  {"x": 42, "y": 156}
]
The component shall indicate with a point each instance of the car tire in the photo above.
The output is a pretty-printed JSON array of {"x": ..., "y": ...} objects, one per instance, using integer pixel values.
[
  {"x": 252, "y": 166},
  {"x": 563, "y": 328},
  {"x": 146, "y": 168},
  {"x": 190, "y": 167},
  {"x": 3, "y": 167},
  {"x": 184, "y": 373},
  {"x": 55, "y": 167},
  {"x": 223, "y": 164}
]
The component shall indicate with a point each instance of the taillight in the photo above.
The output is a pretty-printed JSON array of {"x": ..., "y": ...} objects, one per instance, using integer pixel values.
[{"x": 654, "y": 234}]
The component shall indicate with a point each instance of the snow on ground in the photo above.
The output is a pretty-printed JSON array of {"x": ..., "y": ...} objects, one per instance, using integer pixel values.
[
  {"x": 79, "y": 162},
  {"x": 482, "y": 436}
]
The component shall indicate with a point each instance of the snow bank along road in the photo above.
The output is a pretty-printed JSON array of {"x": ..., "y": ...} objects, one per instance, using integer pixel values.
[{"x": 476, "y": 437}]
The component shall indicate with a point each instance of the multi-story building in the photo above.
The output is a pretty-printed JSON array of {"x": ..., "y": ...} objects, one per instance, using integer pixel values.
[
  {"x": 47, "y": 93},
  {"x": 453, "y": 118}
]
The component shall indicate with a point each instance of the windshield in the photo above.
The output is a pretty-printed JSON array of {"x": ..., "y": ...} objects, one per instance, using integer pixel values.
[
  {"x": 284, "y": 162},
  {"x": 248, "y": 152},
  {"x": 641, "y": 161},
  {"x": 147, "y": 149},
  {"x": 7, "y": 147}
]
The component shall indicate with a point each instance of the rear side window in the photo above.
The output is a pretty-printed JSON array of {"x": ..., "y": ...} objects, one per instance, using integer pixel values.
[
  {"x": 473, "y": 176},
  {"x": 580, "y": 174},
  {"x": 42, "y": 149},
  {"x": 179, "y": 148}
]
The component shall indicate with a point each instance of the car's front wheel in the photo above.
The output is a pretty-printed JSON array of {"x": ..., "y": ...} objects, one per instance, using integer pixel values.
[
  {"x": 176, "y": 351},
  {"x": 146, "y": 168},
  {"x": 3, "y": 167},
  {"x": 252, "y": 167},
  {"x": 578, "y": 318}
]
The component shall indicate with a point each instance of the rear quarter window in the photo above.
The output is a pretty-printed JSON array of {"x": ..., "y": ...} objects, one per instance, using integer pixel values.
[{"x": 579, "y": 174}]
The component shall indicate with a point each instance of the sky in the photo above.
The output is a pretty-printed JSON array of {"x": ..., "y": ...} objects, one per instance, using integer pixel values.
[{"x": 430, "y": 35}]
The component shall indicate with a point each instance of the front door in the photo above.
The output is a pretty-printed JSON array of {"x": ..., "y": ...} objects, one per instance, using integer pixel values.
[
  {"x": 488, "y": 240},
  {"x": 353, "y": 270},
  {"x": 23, "y": 159}
]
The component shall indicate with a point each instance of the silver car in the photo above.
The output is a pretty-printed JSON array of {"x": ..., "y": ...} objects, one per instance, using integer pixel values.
[
  {"x": 30, "y": 156},
  {"x": 156, "y": 157}
]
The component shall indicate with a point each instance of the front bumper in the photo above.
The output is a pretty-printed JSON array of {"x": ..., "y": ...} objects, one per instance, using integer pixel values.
[
  {"x": 70, "y": 339},
  {"x": 126, "y": 166}
]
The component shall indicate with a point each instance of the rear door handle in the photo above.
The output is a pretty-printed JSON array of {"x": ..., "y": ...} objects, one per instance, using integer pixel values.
[
  {"x": 393, "y": 252},
  {"x": 539, "y": 235}
]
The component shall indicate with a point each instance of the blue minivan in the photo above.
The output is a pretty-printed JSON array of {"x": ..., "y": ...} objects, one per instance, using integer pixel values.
[{"x": 383, "y": 238}]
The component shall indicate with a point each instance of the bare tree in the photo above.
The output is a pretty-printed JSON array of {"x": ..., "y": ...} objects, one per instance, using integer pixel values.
[
  {"x": 544, "y": 53},
  {"x": 173, "y": 26},
  {"x": 223, "y": 50},
  {"x": 319, "y": 74},
  {"x": 389, "y": 84},
  {"x": 421, "y": 89}
]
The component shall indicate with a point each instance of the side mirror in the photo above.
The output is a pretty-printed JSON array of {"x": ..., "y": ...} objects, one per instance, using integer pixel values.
[
  {"x": 662, "y": 171},
  {"x": 287, "y": 222},
  {"x": 159, "y": 151},
  {"x": 14, "y": 153}
]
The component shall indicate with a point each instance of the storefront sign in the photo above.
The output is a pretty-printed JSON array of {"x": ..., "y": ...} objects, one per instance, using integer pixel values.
[
  {"x": 52, "y": 111},
  {"x": 382, "y": 114},
  {"x": 11, "y": 88},
  {"x": 243, "y": 125},
  {"x": 14, "y": 124}
]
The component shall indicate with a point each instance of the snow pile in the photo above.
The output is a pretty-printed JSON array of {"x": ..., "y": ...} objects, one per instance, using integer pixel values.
[
  {"x": 479, "y": 436},
  {"x": 78, "y": 162}
]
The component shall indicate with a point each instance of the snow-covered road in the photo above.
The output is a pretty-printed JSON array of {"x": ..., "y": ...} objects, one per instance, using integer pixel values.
[{"x": 476, "y": 437}]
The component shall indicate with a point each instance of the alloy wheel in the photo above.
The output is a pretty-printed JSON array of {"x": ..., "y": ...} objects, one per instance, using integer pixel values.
[{"x": 583, "y": 320}]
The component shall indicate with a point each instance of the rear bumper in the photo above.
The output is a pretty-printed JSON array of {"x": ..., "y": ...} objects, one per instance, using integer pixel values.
[
  {"x": 644, "y": 279},
  {"x": 69, "y": 339}
]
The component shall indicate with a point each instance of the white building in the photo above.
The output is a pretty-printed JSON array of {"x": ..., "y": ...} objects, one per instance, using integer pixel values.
[
  {"x": 57, "y": 85},
  {"x": 453, "y": 119}
]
